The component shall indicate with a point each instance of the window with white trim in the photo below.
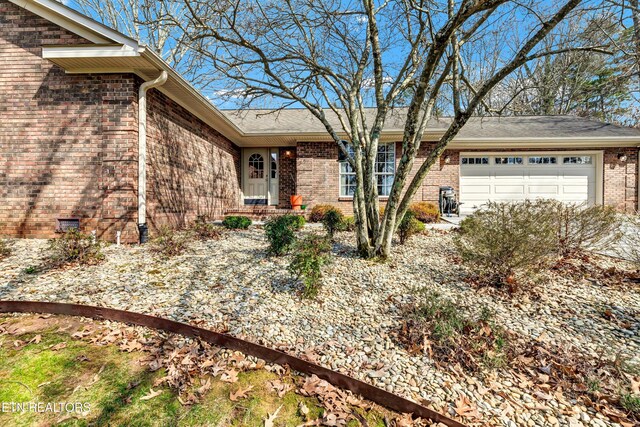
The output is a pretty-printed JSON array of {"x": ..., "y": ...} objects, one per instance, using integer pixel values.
[
  {"x": 474, "y": 160},
  {"x": 577, "y": 160},
  {"x": 543, "y": 160},
  {"x": 508, "y": 160},
  {"x": 256, "y": 166},
  {"x": 385, "y": 169}
]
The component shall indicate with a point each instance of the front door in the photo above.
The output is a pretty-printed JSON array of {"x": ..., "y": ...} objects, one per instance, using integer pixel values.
[{"x": 256, "y": 176}]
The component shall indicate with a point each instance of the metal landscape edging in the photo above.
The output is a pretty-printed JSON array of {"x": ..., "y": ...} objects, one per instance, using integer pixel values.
[{"x": 368, "y": 391}]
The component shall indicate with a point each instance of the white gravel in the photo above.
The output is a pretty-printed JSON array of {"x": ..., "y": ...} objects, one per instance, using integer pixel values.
[{"x": 233, "y": 282}]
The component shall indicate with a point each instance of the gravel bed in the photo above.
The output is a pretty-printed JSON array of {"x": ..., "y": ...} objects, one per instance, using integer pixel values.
[{"x": 348, "y": 328}]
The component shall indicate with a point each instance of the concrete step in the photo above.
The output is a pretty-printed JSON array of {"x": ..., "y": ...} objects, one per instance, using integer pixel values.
[{"x": 260, "y": 213}]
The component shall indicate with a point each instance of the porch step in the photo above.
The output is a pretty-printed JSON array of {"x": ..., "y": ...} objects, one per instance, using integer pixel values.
[{"x": 260, "y": 213}]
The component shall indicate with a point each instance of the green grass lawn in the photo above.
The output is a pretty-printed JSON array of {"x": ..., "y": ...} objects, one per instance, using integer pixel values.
[{"x": 42, "y": 362}]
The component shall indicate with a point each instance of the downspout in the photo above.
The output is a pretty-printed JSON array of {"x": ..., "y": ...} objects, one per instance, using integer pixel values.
[{"x": 143, "y": 230}]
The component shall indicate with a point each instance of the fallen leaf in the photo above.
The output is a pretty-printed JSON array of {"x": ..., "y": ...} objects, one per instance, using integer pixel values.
[
  {"x": 271, "y": 418},
  {"x": 405, "y": 420},
  {"x": 59, "y": 346},
  {"x": 241, "y": 393},
  {"x": 466, "y": 409},
  {"x": 206, "y": 386},
  {"x": 151, "y": 394},
  {"x": 229, "y": 376},
  {"x": 36, "y": 339},
  {"x": 281, "y": 388}
]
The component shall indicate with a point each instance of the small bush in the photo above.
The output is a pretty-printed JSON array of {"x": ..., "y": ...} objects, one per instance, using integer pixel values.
[
  {"x": 74, "y": 247},
  {"x": 348, "y": 224},
  {"x": 319, "y": 211},
  {"x": 281, "y": 234},
  {"x": 631, "y": 403},
  {"x": 503, "y": 239},
  {"x": 581, "y": 228},
  {"x": 32, "y": 269},
  {"x": 631, "y": 241},
  {"x": 236, "y": 222},
  {"x": 169, "y": 243},
  {"x": 408, "y": 227},
  {"x": 204, "y": 230},
  {"x": 310, "y": 254},
  {"x": 333, "y": 220},
  {"x": 297, "y": 221},
  {"x": 437, "y": 326},
  {"x": 425, "y": 212},
  {"x": 5, "y": 249}
]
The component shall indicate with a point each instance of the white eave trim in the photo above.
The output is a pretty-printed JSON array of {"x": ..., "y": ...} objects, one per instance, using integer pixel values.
[
  {"x": 93, "y": 51},
  {"x": 545, "y": 142}
]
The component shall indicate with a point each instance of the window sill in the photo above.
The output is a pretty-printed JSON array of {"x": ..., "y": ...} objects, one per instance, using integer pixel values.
[{"x": 350, "y": 198}]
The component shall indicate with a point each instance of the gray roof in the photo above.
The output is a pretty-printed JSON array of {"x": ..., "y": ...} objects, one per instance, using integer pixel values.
[{"x": 301, "y": 121}]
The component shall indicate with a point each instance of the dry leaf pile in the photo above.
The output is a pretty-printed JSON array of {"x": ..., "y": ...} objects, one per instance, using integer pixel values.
[
  {"x": 594, "y": 268},
  {"x": 542, "y": 370},
  {"x": 189, "y": 366}
]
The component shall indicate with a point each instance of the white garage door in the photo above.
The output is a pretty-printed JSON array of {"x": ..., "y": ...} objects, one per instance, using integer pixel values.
[{"x": 513, "y": 177}]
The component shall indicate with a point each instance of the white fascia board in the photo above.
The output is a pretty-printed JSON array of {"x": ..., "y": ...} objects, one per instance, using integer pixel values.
[
  {"x": 154, "y": 58},
  {"x": 94, "y": 51},
  {"x": 546, "y": 142},
  {"x": 75, "y": 22}
]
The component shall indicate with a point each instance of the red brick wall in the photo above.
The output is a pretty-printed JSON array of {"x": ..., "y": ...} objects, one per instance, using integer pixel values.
[
  {"x": 318, "y": 175},
  {"x": 192, "y": 169},
  {"x": 287, "y": 183},
  {"x": 68, "y": 145},
  {"x": 65, "y": 140},
  {"x": 621, "y": 179}
]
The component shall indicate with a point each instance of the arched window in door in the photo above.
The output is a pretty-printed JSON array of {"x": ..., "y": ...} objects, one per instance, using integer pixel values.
[{"x": 256, "y": 166}]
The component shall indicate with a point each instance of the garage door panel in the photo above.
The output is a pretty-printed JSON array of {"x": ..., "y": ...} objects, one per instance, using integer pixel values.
[
  {"x": 574, "y": 189},
  {"x": 498, "y": 182},
  {"x": 509, "y": 189},
  {"x": 477, "y": 189},
  {"x": 544, "y": 190}
]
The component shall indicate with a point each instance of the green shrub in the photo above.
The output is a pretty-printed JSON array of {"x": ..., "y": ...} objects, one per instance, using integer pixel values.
[
  {"x": 426, "y": 212},
  {"x": 319, "y": 211},
  {"x": 297, "y": 221},
  {"x": 5, "y": 249},
  {"x": 503, "y": 239},
  {"x": 74, "y": 247},
  {"x": 348, "y": 224},
  {"x": 310, "y": 254},
  {"x": 205, "y": 230},
  {"x": 439, "y": 327},
  {"x": 631, "y": 403},
  {"x": 168, "y": 242},
  {"x": 408, "y": 227},
  {"x": 580, "y": 228},
  {"x": 236, "y": 222},
  {"x": 281, "y": 234},
  {"x": 32, "y": 269},
  {"x": 333, "y": 220}
]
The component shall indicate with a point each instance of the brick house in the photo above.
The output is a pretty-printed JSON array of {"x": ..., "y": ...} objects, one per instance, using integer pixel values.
[{"x": 98, "y": 131}]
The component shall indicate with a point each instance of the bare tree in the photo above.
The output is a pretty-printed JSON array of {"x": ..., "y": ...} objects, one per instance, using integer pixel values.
[
  {"x": 139, "y": 19},
  {"x": 594, "y": 84},
  {"x": 336, "y": 58}
]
